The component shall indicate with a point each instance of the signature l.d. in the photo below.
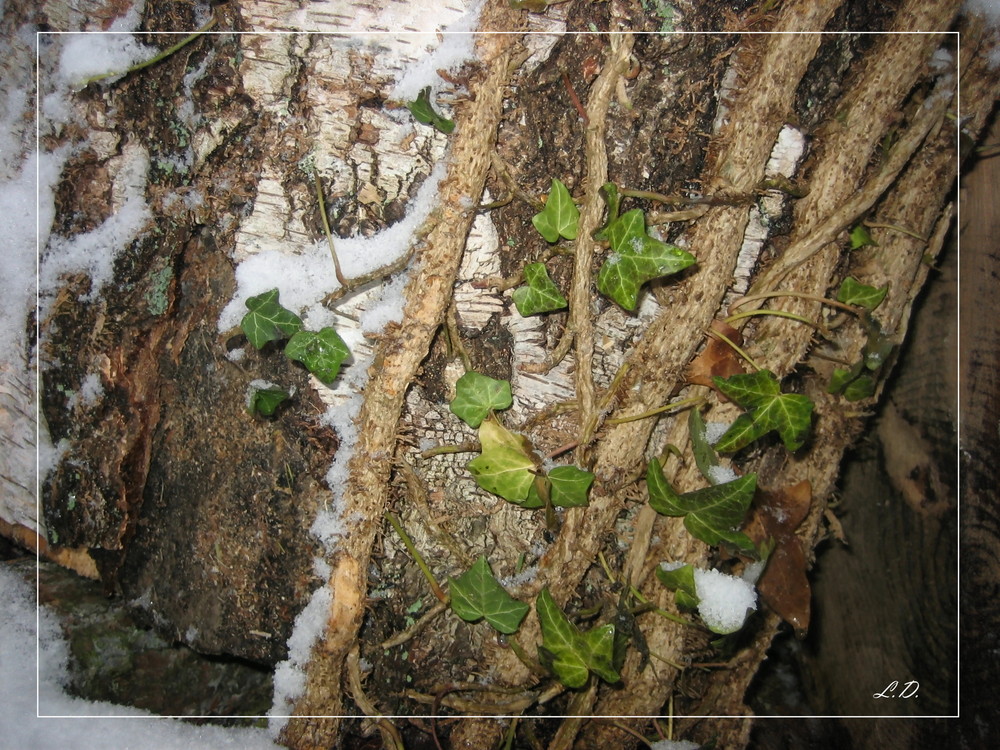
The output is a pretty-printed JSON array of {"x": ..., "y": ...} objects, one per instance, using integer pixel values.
[{"x": 909, "y": 690}]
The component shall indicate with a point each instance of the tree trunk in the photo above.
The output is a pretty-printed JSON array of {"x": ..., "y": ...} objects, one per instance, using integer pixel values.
[{"x": 220, "y": 525}]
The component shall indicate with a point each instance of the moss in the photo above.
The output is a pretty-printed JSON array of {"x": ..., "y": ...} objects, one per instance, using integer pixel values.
[{"x": 156, "y": 295}]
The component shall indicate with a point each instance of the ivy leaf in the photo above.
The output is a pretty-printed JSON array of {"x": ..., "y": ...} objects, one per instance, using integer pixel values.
[
  {"x": 860, "y": 389},
  {"x": 423, "y": 112},
  {"x": 477, "y": 595},
  {"x": 560, "y": 217},
  {"x": 540, "y": 295},
  {"x": 853, "y": 292},
  {"x": 635, "y": 259},
  {"x": 322, "y": 352},
  {"x": 680, "y": 580},
  {"x": 790, "y": 414},
  {"x": 505, "y": 466},
  {"x": 268, "y": 320},
  {"x": 860, "y": 236},
  {"x": 570, "y": 486},
  {"x": 477, "y": 395},
  {"x": 704, "y": 456},
  {"x": 569, "y": 653},
  {"x": 711, "y": 513},
  {"x": 264, "y": 398}
]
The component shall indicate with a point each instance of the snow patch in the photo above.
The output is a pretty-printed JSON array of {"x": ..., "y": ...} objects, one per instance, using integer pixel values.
[{"x": 724, "y": 600}]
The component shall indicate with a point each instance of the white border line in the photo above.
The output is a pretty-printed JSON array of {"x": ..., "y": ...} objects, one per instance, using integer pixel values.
[{"x": 354, "y": 32}]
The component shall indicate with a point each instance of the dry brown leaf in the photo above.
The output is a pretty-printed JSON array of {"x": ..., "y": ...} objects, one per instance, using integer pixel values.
[
  {"x": 784, "y": 584},
  {"x": 717, "y": 358}
]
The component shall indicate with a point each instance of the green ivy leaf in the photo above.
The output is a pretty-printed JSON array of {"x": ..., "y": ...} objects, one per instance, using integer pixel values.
[
  {"x": 322, "y": 352},
  {"x": 265, "y": 399},
  {"x": 860, "y": 236},
  {"x": 268, "y": 320},
  {"x": 711, "y": 513},
  {"x": 423, "y": 112},
  {"x": 853, "y": 292},
  {"x": 861, "y": 388},
  {"x": 505, "y": 467},
  {"x": 841, "y": 378},
  {"x": 569, "y": 653},
  {"x": 560, "y": 217},
  {"x": 790, "y": 414},
  {"x": 680, "y": 578},
  {"x": 636, "y": 258},
  {"x": 570, "y": 486},
  {"x": 704, "y": 455},
  {"x": 540, "y": 295},
  {"x": 477, "y": 395},
  {"x": 477, "y": 595}
]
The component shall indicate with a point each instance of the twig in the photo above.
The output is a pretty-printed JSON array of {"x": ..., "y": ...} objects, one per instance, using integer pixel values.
[
  {"x": 326, "y": 228},
  {"x": 156, "y": 58},
  {"x": 435, "y": 588},
  {"x": 390, "y": 735},
  {"x": 404, "y": 635}
]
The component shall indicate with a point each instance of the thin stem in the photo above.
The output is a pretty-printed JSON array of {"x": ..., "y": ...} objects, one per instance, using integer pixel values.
[
  {"x": 801, "y": 295},
  {"x": 896, "y": 228},
  {"x": 682, "y": 404},
  {"x": 777, "y": 313},
  {"x": 326, "y": 229},
  {"x": 435, "y": 588},
  {"x": 156, "y": 58}
]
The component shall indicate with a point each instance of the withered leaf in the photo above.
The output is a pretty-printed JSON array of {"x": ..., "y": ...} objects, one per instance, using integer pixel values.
[
  {"x": 784, "y": 585},
  {"x": 717, "y": 358}
]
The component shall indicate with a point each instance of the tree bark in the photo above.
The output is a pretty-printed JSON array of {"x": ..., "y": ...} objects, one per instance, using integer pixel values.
[{"x": 203, "y": 514}]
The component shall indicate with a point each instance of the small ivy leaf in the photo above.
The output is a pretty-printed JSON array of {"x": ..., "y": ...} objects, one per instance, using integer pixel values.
[
  {"x": 878, "y": 347},
  {"x": 560, "y": 217},
  {"x": 423, "y": 112},
  {"x": 570, "y": 486},
  {"x": 790, "y": 414},
  {"x": 477, "y": 595},
  {"x": 841, "y": 378},
  {"x": 679, "y": 578},
  {"x": 268, "y": 320},
  {"x": 322, "y": 352},
  {"x": 860, "y": 388},
  {"x": 861, "y": 237},
  {"x": 477, "y": 395},
  {"x": 264, "y": 398},
  {"x": 614, "y": 202},
  {"x": 710, "y": 514},
  {"x": 540, "y": 295},
  {"x": 635, "y": 259},
  {"x": 570, "y": 654},
  {"x": 505, "y": 466},
  {"x": 853, "y": 292},
  {"x": 704, "y": 456}
]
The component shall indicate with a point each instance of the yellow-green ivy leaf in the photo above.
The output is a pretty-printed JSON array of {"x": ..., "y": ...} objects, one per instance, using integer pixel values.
[
  {"x": 560, "y": 217},
  {"x": 505, "y": 467}
]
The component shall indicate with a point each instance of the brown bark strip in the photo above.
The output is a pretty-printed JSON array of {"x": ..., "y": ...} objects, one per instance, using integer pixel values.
[
  {"x": 397, "y": 359},
  {"x": 581, "y": 319}
]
